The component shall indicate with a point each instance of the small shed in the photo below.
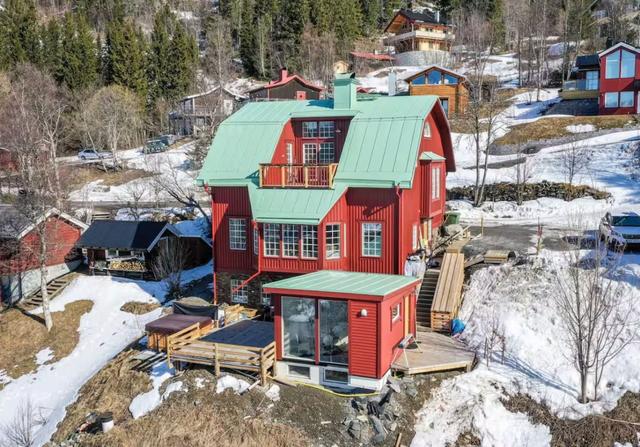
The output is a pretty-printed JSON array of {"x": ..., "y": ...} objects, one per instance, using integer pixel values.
[
  {"x": 129, "y": 248},
  {"x": 342, "y": 329}
]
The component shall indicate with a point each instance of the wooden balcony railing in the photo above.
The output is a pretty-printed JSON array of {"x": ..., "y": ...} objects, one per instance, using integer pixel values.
[{"x": 297, "y": 176}]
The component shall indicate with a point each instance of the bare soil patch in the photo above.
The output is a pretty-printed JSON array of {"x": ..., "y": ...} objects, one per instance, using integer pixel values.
[
  {"x": 136, "y": 308},
  {"x": 618, "y": 425},
  {"x": 550, "y": 128},
  {"x": 23, "y": 335},
  {"x": 79, "y": 175}
]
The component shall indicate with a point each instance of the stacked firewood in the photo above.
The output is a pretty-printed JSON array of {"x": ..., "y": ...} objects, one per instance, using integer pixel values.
[{"x": 129, "y": 265}]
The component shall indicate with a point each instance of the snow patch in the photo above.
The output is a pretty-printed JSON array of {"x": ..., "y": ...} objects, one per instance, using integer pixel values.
[
  {"x": 4, "y": 377},
  {"x": 144, "y": 403},
  {"x": 44, "y": 356},
  {"x": 273, "y": 393},
  {"x": 580, "y": 128},
  {"x": 227, "y": 382},
  {"x": 200, "y": 382}
]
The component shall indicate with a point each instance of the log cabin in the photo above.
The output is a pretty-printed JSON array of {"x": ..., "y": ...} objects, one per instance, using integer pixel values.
[
  {"x": 316, "y": 205},
  {"x": 452, "y": 88}
]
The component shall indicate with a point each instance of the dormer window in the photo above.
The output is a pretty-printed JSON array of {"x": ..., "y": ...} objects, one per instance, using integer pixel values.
[{"x": 310, "y": 129}]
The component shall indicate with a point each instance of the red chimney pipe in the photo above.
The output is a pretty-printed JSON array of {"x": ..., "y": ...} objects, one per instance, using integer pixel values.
[{"x": 283, "y": 73}]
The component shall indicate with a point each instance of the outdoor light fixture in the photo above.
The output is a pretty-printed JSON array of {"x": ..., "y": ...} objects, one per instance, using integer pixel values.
[{"x": 363, "y": 312}]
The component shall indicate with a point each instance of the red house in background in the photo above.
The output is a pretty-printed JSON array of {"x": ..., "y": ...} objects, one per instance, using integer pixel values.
[
  {"x": 20, "y": 247},
  {"x": 288, "y": 86},
  {"x": 619, "y": 80},
  {"x": 315, "y": 207}
]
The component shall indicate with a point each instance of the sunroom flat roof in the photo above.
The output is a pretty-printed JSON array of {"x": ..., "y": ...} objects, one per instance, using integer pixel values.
[{"x": 339, "y": 282}]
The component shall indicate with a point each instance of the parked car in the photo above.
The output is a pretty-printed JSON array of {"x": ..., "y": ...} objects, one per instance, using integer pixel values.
[
  {"x": 92, "y": 154},
  {"x": 620, "y": 229},
  {"x": 154, "y": 146}
]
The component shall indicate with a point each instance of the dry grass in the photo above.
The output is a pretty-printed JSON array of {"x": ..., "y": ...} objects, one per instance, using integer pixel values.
[
  {"x": 23, "y": 335},
  {"x": 550, "y": 128},
  {"x": 80, "y": 175},
  {"x": 111, "y": 389},
  {"x": 136, "y": 308},
  {"x": 617, "y": 425}
]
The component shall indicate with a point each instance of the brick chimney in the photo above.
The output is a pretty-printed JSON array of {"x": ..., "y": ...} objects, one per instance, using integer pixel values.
[{"x": 283, "y": 73}]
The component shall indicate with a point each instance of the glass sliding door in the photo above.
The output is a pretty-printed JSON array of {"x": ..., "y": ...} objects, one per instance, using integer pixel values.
[
  {"x": 334, "y": 332},
  {"x": 299, "y": 328}
]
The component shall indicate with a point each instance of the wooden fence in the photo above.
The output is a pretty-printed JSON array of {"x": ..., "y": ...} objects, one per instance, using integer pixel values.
[{"x": 185, "y": 346}]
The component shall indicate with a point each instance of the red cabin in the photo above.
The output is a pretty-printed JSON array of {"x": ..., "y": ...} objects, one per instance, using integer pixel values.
[{"x": 619, "y": 80}]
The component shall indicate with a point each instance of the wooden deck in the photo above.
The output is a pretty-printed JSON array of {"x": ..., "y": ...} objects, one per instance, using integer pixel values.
[{"x": 435, "y": 353}]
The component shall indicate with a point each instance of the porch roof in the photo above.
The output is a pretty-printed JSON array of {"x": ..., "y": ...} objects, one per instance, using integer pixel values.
[{"x": 343, "y": 283}]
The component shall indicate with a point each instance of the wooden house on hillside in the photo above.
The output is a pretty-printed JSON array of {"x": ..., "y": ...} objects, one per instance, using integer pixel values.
[
  {"x": 619, "y": 85},
  {"x": 287, "y": 86},
  {"x": 195, "y": 113},
  {"x": 316, "y": 206},
  {"x": 419, "y": 31},
  {"x": 452, "y": 88},
  {"x": 20, "y": 250}
]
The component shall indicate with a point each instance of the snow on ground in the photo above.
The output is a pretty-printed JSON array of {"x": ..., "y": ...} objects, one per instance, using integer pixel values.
[
  {"x": 378, "y": 81},
  {"x": 581, "y": 128},
  {"x": 273, "y": 393},
  {"x": 518, "y": 301},
  {"x": 4, "y": 377},
  {"x": 144, "y": 403},
  {"x": 44, "y": 356},
  {"x": 228, "y": 382},
  {"x": 104, "y": 332}
]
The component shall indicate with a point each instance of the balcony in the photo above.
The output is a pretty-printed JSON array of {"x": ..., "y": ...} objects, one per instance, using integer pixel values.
[
  {"x": 579, "y": 89},
  {"x": 297, "y": 176}
]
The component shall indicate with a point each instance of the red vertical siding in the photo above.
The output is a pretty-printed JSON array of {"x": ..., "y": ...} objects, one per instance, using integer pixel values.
[
  {"x": 230, "y": 202},
  {"x": 366, "y": 205},
  {"x": 410, "y": 217},
  {"x": 391, "y": 333},
  {"x": 363, "y": 340},
  {"x": 277, "y": 324},
  {"x": 337, "y": 215},
  {"x": 618, "y": 85}
]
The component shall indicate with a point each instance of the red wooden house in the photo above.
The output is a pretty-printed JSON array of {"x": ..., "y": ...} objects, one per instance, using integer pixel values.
[
  {"x": 339, "y": 191},
  {"x": 619, "y": 88},
  {"x": 19, "y": 250},
  {"x": 287, "y": 86}
]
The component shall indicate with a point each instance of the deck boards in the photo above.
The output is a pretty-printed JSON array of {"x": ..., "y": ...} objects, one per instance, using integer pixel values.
[
  {"x": 436, "y": 352},
  {"x": 256, "y": 334},
  {"x": 448, "y": 294}
]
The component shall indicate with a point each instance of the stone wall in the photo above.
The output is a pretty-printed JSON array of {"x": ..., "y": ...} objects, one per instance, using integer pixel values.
[
  {"x": 223, "y": 286},
  {"x": 531, "y": 191}
]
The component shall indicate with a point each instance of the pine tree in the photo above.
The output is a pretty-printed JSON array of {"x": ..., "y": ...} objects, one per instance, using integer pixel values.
[
  {"x": 80, "y": 66},
  {"x": 349, "y": 26},
  {"x": 124, "y": 61},
  {"x": 495, "y": 15},
  {"x": 183, "y": 55},
  {"x": 371, "y": 13},
  {"x": 158, "y": 58},
  {"x": 19, "y": 34},
  {"x": 53, "y": 56},
  {"x": 292, "y": 17}
]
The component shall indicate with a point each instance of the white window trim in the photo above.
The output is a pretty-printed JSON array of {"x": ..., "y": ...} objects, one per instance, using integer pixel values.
[
  {"x": 617, "y": 100},
  {"x": 302, "y": 246},
  {"x": 317, "y": 129},
  {"x": 633, "y": 56},
  {"x": 265, "y": 241},
  {"x": 237, "y": 242},
  {"x": 435, "y": 182},
  {"x": 243, "y": 291},
  {"x": 304, "y": 152},
  {"x": 297, "y": 230},
  {"x": 426, "y": 132},
  {"x": 362, "y": 241},
  {"x": 326, "y": 241},
  {"x": 256, "y": 240},
  {"x": 397, "y": 317},
  {"x": 606, "y": 63},
  {"x": 324, "y": 376},
  {"x": 632, "y": 99}
]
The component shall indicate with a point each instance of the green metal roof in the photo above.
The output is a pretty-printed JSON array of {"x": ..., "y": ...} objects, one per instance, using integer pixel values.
[
  {"x": 431, "y": 156},
  {"x": 355, "y": 283}
]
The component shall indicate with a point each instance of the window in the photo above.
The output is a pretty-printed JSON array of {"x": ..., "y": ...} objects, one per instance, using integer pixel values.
[
  {"x": 271, "y": 239},
  {"x": 334, "y": 331},
  {"x": 426, "y": 132},
  {"x": 414, "y": 237},
  {"x": 372, "y": 239},
  {"x": 395, "y": 313},
  {"x": 333, "y": 241},
  {"x": 302, "y": 372},
  {"x": 344, "y": 240},
  {"x": 299, "y": 328},
  {"x": 327, "y": 129},
  {"x": 333, "y": 375},
  {"x": 310, "y": 152},
  {"x": 592, "y": 80},
  {"x": 290, "y": 241},
  {"x": 309, "y": 241},
  {"x": 239, "y": 294},
  {"x": 611, "y": 100},
  {"x": 256, "y": 241},
  {"x": 628, "y": 65},
  {"x": 434, "y": 77},
  {"x": 449, "y": 79},
  {"x": 626, "y": 99},
  {"x": 445, "y": 106},
  {"x": 111, "y": 254},
  {"x": 612, "y": 68},
  {"x": 237, "y": 234},
  {"x": 265, "y": 298},
  {"x": 327, "y": 153},
  {"x": 309, "y": 129},
  {"x": 290, "y": 153},
  {"x": 435, "y": 183}
]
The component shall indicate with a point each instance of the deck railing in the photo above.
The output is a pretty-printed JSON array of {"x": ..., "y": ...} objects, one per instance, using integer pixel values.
[
  {"x": 297, "y": 176},
  {"x": 580, "y": 84}
]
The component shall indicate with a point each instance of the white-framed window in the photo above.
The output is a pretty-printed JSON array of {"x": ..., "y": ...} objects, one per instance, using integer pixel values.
[
  {"x": 327, "y": 153},
  {"x": 395, "y": 313},
  {"x": 271, "y": 235},
  {"x": 372, "y": 239},
  {"x": 335, "y": 375},
  {"x": 426, "y": 132},
  {"x": 237, "y": 233},
  {"x": 627, "y": 65},
  {"x": 239, "y": 294},
  {"x": 626, "y": 99},
  {"x": 290, "y": 241},
  {"x": 256, "y": 241},
  {"x": 327, "y": 129},
  {"x": 265, "y": 298},
  {"x": 611, "y": 100},
  {"x": 309, "y": 129},
  {"x": 612, "y": 66},
  {"x": 435, "y": 183},
  {"x": 414, "y": 237},
  {"x": 310, "y": 153},
  {"x": 289, "y": 153},
  {"x": 332, "y": 241},
  {"x": 344, "y": 240},
  {"x": 309, "y": 241}
]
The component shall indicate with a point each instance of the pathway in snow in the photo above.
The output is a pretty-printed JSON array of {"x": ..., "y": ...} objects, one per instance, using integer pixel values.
[{"x": 104, "y": 332}]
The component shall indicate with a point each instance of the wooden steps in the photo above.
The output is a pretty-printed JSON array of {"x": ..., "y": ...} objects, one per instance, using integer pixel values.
[
  {"x": 53, "y": 289},
  {"x": 425, "y": 300},
  {"x": 448, "y": 293}
]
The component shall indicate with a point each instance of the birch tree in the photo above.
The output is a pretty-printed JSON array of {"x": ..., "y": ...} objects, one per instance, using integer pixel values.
[{"x": 574, "y": 160}]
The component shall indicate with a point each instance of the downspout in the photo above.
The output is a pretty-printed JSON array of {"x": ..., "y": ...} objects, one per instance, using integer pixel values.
[{"x": 399, "y": 232}]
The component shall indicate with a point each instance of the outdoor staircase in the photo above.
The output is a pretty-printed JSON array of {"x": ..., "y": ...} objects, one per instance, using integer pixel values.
[
  {"x": 425, "y": 300},
  {"x": 53, "y": 288}
]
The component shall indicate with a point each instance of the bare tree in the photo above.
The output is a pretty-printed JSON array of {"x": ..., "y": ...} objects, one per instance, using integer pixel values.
[
  {"x": 523, "y": 172},
  {"x": 112, "y": 117},
  {"x": 173, "y": 255},
  {"x": 135, "y": 192},
  {"x": 19, "y": 431},
  {"x": 575, "y": 159},
  {"x": 595, "y": 311},
  {"x": 318, "y": 64}
]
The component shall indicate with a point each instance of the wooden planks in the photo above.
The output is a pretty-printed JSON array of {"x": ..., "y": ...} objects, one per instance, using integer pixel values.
[
  {"x": 448, "y": 295},
  {"x": 497, "y": 256},
  {"x": 436, "y": 352},
  {"x": 53, "y": 289}
]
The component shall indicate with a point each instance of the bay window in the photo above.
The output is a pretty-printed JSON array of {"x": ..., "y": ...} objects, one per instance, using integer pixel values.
[
  {"x": 372, "y": 239},
  {"x": 332, "y": 241},
  {"x": 309, "y": 241},
  {"x": 271, "y": 239},
  {"x": 237, "y": 233}
]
